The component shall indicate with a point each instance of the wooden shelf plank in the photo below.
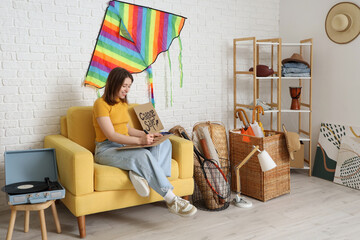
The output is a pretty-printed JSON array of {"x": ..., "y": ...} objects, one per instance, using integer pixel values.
[
  {"x": 304, "y": 138},
  {"x": 283, "y": 78},
  {"x": 295, "y": 111},
  {"x": 296, "y": 44},
  {"x": 295, "y": 78},
  {"x": 271, "y": 111},
  {"x": 267, "y": 43},
  {"x": 267, "y": 78}
]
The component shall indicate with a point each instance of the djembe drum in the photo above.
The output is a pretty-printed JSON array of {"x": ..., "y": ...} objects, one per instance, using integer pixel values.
[{"x": 295, "y": 95}]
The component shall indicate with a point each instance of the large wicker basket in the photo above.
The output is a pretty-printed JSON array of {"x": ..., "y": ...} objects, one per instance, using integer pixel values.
[
  {"x": 254, "y": 182},
  {"x": 203, "y": 197}
]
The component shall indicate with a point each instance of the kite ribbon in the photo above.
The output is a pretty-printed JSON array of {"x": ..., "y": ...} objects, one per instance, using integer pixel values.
[
  {"x": 151, "y": 86},
  {"x": 180, "y": 63},
  {"x": 171, "y": 84}
]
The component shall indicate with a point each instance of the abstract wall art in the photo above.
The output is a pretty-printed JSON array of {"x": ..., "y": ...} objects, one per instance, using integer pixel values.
[
  {"x": 348, "y": 163},
  {"x": 328, "y": 147}
]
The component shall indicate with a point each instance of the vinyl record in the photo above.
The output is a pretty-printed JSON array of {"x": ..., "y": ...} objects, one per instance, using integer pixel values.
[{"x": 25, "y": 187}]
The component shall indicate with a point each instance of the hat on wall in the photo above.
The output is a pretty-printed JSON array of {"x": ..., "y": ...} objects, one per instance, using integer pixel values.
[
  {"x": 292, "y": 142},
  {"x": 342, "y": 22},
  {"x": 295, "y": 58}
]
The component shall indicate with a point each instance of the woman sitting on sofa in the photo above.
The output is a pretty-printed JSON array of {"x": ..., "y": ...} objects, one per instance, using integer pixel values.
[{"x": 146, "y": 166}]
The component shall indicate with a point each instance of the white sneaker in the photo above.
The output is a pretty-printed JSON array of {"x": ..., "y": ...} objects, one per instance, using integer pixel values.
[
  {"x": 140, "y": 184},
  {"x": 181, "y": 207},
  {"x": 242, "y": 202}
]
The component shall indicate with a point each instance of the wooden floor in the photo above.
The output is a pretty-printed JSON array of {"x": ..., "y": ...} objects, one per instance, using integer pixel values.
[{"x": 315, "y": 209}]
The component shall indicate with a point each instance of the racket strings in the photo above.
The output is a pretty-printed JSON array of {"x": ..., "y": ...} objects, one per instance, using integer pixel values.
[
  {"x": 216, "y": 179},
  {"x": 214, "y": 176}
]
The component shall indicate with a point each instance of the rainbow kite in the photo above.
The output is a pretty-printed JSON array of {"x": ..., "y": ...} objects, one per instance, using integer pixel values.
[{"x": 132, "y": 37}]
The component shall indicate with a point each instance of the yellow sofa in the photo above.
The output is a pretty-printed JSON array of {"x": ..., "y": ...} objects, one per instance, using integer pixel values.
[{"x": 91, "y": 187}]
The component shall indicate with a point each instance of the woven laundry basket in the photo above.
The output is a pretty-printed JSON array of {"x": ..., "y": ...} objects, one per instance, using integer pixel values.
[
  {"x": 203, "y": 196},
  {"x": 254, "y": 182}
]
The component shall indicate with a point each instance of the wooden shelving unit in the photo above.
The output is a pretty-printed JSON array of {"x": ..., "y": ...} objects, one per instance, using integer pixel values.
[{"x": 276, "y": 79}]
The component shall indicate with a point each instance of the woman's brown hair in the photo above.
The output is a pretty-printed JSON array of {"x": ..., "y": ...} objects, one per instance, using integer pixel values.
[{"x": 113, "y": 84}]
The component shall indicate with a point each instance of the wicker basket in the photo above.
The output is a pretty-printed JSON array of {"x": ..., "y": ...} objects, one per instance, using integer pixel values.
[
  {"x": 203, "y": 196},
  {"x": 218, "y": 135},
  {"x": 254, "y": 182}
]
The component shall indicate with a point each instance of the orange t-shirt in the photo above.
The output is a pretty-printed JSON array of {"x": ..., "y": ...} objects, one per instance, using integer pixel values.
[{"x": 118, "y": 114}]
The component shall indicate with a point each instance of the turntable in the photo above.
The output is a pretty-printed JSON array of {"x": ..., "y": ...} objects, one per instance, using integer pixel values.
[{"x": 31, "y": 176}]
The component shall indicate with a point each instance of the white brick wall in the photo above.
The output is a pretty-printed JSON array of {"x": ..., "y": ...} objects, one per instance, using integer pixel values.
[{"x": 46, "y": 45}]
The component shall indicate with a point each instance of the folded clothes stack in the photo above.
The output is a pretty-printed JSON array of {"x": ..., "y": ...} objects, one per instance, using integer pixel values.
[
  {"x": 295, "y": 66},
  {"x": 295, "y": 69}
]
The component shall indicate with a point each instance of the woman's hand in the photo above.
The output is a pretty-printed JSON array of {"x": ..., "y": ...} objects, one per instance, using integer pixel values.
[
  {"x": 157, "y": 135},
  {"x": 147, "y": 139}
]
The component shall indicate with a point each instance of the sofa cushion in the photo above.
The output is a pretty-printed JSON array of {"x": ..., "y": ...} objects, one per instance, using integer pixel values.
[
  {"x": 109, "y": 178},
  {"x": 80, "y": 127}
]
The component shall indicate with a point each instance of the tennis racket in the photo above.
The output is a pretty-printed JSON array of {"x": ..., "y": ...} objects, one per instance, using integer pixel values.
[{"x": 213, "y": 174}]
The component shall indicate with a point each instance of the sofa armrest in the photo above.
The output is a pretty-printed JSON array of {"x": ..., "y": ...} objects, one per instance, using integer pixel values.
[
  {"x": 183, "y": 153},
  {"x": 75, "y": 164}
]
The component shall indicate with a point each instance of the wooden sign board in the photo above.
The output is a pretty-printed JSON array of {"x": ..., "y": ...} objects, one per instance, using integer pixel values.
[{"x": 148, "y": 118}]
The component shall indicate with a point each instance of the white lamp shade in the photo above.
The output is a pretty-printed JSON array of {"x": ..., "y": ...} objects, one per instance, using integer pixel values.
[{"x": 266, "y": 162}]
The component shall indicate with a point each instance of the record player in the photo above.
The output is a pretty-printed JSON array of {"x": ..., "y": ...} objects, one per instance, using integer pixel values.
[{"x": 31, "y": 176}]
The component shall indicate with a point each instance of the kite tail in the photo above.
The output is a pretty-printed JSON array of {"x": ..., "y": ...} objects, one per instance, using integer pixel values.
[
  {"x": 151, "y": 87},
  {"x": 180, "y": 63},
  {"x": 171, "y": 83}
]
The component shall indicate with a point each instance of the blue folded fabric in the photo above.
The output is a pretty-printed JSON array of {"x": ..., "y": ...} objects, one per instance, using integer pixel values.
[
  {"x": 295, "y": 65},
  {"x": 295, "y": 75},
  {"x": 294, "y": 70}
]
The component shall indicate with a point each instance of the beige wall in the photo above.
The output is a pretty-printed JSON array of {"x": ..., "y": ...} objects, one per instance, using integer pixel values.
[{"x": 336, "y": 81}]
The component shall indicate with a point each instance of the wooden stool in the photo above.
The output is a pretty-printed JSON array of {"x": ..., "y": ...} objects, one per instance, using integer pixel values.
[{"x": 33, "y": 207}]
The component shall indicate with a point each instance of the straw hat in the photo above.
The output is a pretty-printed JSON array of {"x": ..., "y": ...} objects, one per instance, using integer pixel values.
[
  {"x": 342, "y": 22},
  {"x": 292, "y": 142},
  {"x": 295, "y": 58}
]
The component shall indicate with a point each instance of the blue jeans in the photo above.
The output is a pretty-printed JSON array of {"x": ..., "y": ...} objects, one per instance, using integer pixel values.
[{"x": 153, "y": 163}]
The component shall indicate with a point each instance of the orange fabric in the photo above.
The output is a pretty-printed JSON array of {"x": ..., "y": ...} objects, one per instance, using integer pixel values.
[
  {"x": 248, "y": 131},
  {"x": 118, "y": 114}
]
